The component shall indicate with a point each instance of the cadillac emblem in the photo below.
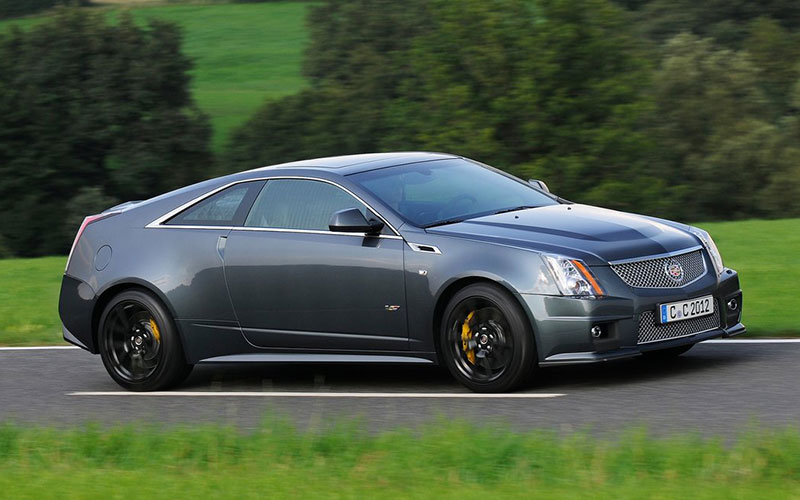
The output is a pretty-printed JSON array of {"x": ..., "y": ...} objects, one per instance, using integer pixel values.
[{"x": 674, "y": 270}]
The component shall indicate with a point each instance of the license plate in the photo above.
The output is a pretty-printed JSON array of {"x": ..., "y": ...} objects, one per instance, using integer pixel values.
[{"x": 686, "y": 309}]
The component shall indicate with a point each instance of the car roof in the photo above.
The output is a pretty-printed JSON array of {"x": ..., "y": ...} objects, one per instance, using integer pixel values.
[{"x": 351, "y": 164}]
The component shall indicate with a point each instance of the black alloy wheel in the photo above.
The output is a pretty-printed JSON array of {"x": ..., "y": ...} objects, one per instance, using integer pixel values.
[
  {"x": 487, "y": 343},
  {"x": 139, "y": 345}
]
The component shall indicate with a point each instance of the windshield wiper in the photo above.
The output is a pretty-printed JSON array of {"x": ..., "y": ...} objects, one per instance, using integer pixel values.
[
  {"x": 514, "y": 209},
  {"x": 443, "y": 222},
  {"x": 462, "y": 219}
]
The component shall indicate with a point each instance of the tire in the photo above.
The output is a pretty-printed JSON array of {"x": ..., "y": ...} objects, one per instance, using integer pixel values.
[
  {"x": 139, "y": 343},
  {"x": 486, "y": 340},
  {"x": 672, "y": 352}
]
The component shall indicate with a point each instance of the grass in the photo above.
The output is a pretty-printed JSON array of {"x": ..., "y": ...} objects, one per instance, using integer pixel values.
[
  {"x": 244, "y": 54},
  {"x": 444, "y": 460},
  {"x": 764, "y": 253},
  {"x": 29, "y": 291}
]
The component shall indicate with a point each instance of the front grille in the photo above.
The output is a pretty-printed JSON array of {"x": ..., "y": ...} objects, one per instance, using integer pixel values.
[
  {"x": 652, "y": 331},
  {"x": 652, "y": 273}
]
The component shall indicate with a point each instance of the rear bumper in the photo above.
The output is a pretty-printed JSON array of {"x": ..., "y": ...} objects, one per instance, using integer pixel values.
[
  {"x": 562, "y": 325},
  {"x": 76, "y": 307}
]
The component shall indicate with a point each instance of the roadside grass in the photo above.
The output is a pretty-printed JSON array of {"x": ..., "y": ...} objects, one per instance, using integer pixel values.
[
  {"x": 29, "y": 291},
  {"x": 244, "y": 53},
  {"x": 443, "y": 460},
  {"x": 764, "y": 253}
]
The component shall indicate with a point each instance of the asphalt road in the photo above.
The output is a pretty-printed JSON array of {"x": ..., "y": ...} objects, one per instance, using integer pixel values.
[{"x": 717, "y": 388}]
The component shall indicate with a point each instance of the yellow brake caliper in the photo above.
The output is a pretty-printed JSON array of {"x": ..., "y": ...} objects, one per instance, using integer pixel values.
[
  {"x": 154, "y": 328},
  {"x": 466, "y": 336}
]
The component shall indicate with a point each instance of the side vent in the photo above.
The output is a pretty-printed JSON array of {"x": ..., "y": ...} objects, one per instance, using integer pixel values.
[{"x": 419, "y": 247}]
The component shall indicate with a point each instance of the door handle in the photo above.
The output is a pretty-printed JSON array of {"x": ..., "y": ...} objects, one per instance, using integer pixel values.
[{"x": 221, "y": 241}]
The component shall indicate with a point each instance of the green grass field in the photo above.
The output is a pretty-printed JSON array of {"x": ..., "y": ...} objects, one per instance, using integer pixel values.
[
  {"x": 244, "y": 54},
  {"x": 764, "y": 253},
  {"x": 445, "y": 460}
]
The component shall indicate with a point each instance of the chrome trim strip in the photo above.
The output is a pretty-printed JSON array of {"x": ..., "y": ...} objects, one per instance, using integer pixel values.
[
  {"x": 280, "y": 230},
  {"x": 657, "y": 256},
  {"x": 179, "y": 226},
  {"x": 313, "y": 231},
  {"x": 159, "y": 222},
  {"x": 417, "y": 248}
]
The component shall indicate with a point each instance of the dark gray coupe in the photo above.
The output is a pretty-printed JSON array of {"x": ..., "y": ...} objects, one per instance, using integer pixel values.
[{"x": 386, "y": 258}]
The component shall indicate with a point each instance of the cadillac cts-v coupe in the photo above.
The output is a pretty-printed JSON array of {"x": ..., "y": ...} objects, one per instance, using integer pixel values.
[{"x": 396, "y": 258}]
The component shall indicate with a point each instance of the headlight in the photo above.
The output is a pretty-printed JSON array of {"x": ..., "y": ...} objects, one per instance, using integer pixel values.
[
  {"x": 572, "y": 276},
  {"x": 711, "y": 247}
]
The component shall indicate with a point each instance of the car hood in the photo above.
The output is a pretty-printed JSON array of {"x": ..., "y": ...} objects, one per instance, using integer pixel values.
[{"x": 595, "y": 235}]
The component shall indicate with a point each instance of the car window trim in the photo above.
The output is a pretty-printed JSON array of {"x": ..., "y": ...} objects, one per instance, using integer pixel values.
[
  {"x": 239, "y": 214},
  {"x": 266, "y": 183},
  {"x": 159, "y": 223}
]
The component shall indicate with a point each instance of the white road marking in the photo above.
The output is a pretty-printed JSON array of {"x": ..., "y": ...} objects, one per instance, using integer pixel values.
[
  {"x": 39, "y": 348},
  {"x": 279, "y": 394},
  {"x": 752, "y": 341}
]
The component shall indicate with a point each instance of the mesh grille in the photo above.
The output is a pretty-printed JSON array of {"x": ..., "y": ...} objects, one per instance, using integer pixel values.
[
  {"x": 651, "y": 331},
  {"x": 653, "y": 273}
]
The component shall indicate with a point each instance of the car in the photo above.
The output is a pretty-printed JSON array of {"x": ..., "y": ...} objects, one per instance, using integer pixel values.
[{"x": 411, "y": 257}]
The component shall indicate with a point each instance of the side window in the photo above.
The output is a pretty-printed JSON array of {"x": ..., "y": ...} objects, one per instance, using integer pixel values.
[
  {"x": 226, "y": 208},
  {"x": 300, "y": 204}
]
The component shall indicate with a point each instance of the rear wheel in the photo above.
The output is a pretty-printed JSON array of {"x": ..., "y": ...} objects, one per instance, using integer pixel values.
[
  {"x": 672, "y": 352},
  {"x": 487, "y": 343},
  {"x": 139, "y": 345}
]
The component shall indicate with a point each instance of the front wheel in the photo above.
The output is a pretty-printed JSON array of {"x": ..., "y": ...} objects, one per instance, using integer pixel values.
[
  {"x": 139, "y": 345},
  {"x": 486, "y": 340}
]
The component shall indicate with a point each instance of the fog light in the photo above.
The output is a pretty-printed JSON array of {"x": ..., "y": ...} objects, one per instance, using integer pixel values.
[
  {"x": 597, "y": 332},
  {"x": 733, "y": 304}
]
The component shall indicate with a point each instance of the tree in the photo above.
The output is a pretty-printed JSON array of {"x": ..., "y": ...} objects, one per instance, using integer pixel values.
[
  {"x": 15, "y": 8},
  {"x": 551, "y": 89},
  {"x": 712, "y": 124},
  {"x": 554, "y": 86},
  {"x": 775, "y": 52},
  {"x": 726, "y": 21},
  {"x": 86, "y": 104},
  {"x": 356, "y": 60}
]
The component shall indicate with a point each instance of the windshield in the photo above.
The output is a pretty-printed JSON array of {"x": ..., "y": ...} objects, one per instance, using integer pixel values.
[{"x": 442, "y": 191}]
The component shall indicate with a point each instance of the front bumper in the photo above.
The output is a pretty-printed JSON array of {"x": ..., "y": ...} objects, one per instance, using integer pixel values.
[{"x": 562, "y": 325}]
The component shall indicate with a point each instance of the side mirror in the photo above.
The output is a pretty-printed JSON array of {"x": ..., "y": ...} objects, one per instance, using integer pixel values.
[
  {"x": 352, "y": 220},
  {"x": 540, "y": 185}
]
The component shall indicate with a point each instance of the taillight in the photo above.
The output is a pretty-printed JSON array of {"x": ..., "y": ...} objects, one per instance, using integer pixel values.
[{"x": 86, "y": 221}]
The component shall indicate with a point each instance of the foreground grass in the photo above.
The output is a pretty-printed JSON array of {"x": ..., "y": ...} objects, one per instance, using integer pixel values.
[
  {"x": 764, "y": 253},
  {"x": 244, "y": 54},
  {"x": 444, "y": 460}
]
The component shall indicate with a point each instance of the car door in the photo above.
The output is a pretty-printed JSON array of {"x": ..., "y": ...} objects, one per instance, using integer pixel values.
[{"x": 295, "y": 284}]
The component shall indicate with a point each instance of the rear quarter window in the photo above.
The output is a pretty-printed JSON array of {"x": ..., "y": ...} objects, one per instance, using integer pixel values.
[{"x": 228, "y": 207}]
